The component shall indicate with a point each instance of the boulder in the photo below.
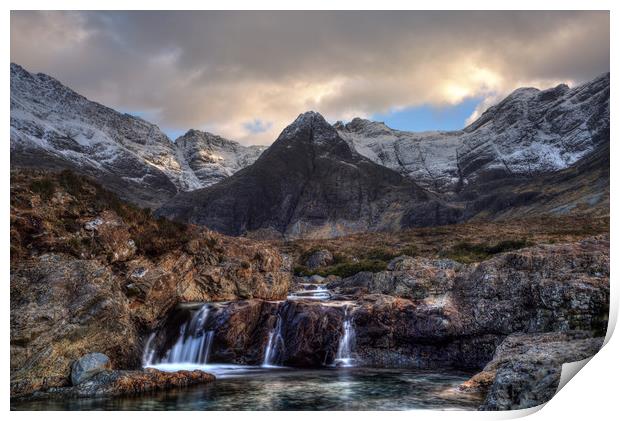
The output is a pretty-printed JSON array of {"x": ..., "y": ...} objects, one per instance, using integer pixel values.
[
  {"x": 318, "y": 259},
  {"x": 127, "y": 382},
  {"x": 525, "y": 369},
  {"x": 316, "y": 279},
  {"x": 87, "y": 366}
]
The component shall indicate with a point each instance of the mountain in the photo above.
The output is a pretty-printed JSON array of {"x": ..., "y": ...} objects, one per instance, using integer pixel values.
[
  {"x": 310, "y": 183},
  {"x": 54, "y": 127},
  {"x": 536, "y": 152},
  {"x": 529, "y": 133},
  {"x": 212, "y": 158}
]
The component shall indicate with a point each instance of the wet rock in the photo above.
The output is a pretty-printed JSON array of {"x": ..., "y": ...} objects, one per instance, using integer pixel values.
[
  {"x": 241, "y": 331},
  {"x": 525, "y": 370},
  {"x": 311, "y": 333},
  {"x": 127, "y": 382},
  {"x": 318, "y": 259},
  {"x": 88, "y": 366}
]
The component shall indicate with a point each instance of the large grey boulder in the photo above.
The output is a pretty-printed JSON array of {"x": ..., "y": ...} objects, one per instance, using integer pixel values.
[
  {"x": 87, "y": 366},
  {"x": 525, "y": 370}
]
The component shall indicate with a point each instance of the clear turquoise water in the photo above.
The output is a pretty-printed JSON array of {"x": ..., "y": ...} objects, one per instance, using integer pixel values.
[{"x": 288, "y": 389}]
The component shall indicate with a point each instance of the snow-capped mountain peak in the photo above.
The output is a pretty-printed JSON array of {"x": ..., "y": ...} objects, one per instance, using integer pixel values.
[
  {"x": 53, "y": 126},
  {"x": 529, "y": 132}
]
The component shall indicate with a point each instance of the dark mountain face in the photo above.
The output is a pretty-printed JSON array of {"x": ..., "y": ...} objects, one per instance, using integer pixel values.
[{"x": 310, "y": 183}]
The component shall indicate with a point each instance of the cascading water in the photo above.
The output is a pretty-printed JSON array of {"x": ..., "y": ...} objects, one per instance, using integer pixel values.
[
  {"x": 310, "y": 291},
  {"x": 274, "y": 345},
  {"x": 193, "y": 345},
  {"x": 344, "y": 357},
  {"x": 149, "y": 352}
]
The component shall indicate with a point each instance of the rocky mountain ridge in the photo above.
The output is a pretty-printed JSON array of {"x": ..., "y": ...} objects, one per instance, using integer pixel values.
[
  {"x": 54, "y": 127},
  {"x": 530, "y": 132},
  {"x": 311, "y": 183},
  {"x": 534, "y": 153}
]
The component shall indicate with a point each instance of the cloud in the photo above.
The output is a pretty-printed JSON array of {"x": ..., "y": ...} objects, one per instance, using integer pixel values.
[{"x": 245, "y": 75}]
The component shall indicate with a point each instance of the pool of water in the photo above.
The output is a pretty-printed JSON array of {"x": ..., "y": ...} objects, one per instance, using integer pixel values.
[{"x": 280, "y": 389}]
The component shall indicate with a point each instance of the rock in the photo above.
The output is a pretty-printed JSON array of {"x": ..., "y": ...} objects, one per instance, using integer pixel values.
[
  {"x": 554, "y": 287},
  {"x": 93, "y": 225},
  {"x": 401, "y": 263},
  {"x": 316, "y": 279},
  {"x": 318, "y": 259},
  {"x": 75, "y": 291},
  {"x": 61, "y": 309},
  {"x": 407, "y": 277},
  {"x": 127, "y": 382},
  {"x": 311, "y": 333},
  {"x": 87, "y": 366},
  {"x": 525, "y": 369},
  {"x": 332, "y": 278}
]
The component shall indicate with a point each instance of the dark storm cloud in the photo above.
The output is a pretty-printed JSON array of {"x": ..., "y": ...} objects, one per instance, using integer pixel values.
[{"x": 224, "y": 70}]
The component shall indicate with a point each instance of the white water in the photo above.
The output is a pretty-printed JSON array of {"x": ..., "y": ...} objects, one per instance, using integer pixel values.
[
  {"x": 275, "y": 343},
  {"x": 192, "y": 347},
  {"x": 311, "y": 292},
  {"x": 344, "y": 356},
  {"x": 219, "y": 370},
  {"x": 149, "y": 353}
]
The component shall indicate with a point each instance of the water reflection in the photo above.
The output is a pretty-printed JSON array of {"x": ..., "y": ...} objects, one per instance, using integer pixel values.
[{"x": 285, "y": 389}]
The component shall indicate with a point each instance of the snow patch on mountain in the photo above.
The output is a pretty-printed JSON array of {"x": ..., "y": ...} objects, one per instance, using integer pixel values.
[
  {"x": 49, "y": 119},
  {"x": 529, "y": 132}
]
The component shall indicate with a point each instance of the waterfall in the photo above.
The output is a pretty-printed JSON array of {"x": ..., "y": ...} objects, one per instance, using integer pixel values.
[
  {"x": 343, "y": 356},
  {"x": 149, "y": 353},
  {"x": 193, "y": 345},
  {"x": 275, "y": 342}
]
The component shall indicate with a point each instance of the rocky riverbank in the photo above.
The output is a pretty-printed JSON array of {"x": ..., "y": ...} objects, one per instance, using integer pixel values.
[
  {"x": 92, "y": 274},
  {"x": 126, "y": 382}
]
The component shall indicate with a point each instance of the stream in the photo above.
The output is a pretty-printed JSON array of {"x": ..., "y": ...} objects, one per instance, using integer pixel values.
[
  {"x": 340, "y": 384},
  {"x": 280, "y": 389}
]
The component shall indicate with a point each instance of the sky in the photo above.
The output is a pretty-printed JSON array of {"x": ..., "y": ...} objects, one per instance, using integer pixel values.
[{"x": 246, "y": 75}]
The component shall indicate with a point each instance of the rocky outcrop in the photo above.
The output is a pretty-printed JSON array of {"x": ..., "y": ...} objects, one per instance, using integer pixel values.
[
  {"x": 538, "y": 289},
  {"x": 310, "y": 183},
  {"x": 525, "y": 369},
  {"x": 554, "y": 287},
  {"x": 90, "y": 274},
  {"x": 406, "y": 277},
  {"x": 88, "y": 366},
  {"x": 127, "y": 382},
  {"x": 430, "y": 314}
]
